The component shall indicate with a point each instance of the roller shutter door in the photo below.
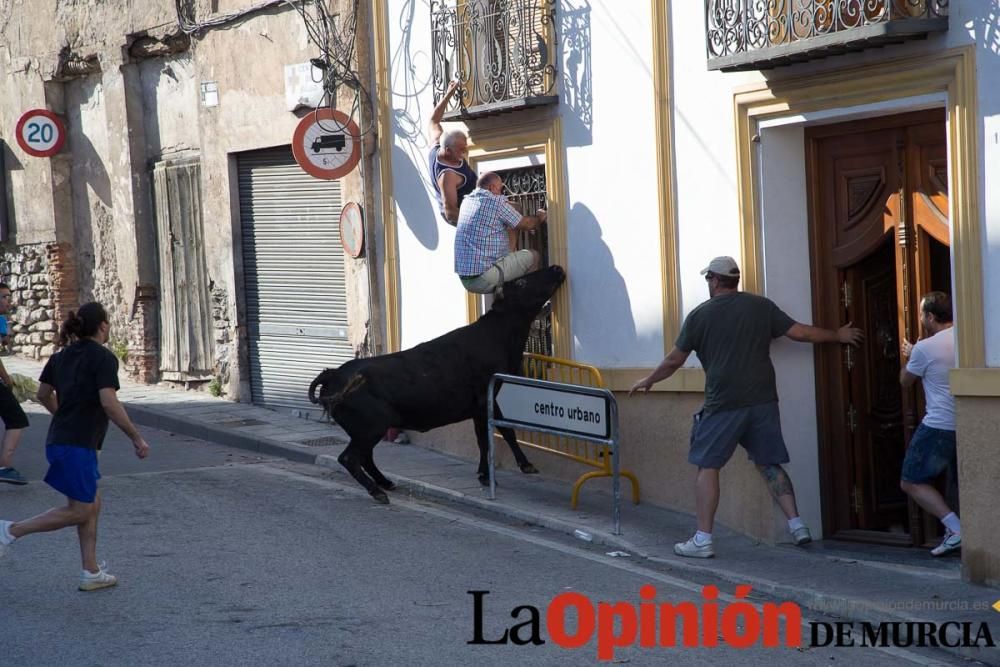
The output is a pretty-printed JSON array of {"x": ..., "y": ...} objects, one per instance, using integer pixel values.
[{"x": 293, "y": 267}]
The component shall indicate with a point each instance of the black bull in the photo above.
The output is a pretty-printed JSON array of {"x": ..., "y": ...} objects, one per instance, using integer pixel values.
[{"x": 440, "y": 382}]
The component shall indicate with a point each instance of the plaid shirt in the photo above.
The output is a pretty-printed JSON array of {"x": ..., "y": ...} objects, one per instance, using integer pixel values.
[{"x": 481, "y": 238}]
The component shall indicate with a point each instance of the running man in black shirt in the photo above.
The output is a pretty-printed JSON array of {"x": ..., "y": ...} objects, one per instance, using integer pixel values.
[{"x": 78, "y": 386}]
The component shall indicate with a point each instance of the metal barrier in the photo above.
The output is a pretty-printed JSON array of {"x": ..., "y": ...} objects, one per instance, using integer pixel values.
[{"x": 593, "y": 454}]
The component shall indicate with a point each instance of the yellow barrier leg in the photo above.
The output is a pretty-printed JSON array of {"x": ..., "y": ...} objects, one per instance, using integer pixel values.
[
  {"x": 579, "y": 483},
  {"x": 635, "y": 485}
]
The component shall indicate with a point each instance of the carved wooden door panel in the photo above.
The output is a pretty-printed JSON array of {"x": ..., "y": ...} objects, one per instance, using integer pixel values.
[
  {"x": 875, "y": 422},
  {"x": 878, "y": 223}
]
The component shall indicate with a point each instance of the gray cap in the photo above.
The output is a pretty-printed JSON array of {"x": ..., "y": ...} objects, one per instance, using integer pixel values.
[{"x": 723, "y": 266}]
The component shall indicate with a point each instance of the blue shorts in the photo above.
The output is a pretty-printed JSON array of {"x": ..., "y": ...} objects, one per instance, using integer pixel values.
[
  {"x": 73, "y": 471},
  {"x": 756, "y": 428},
  {"x": 931, "y": 451}
]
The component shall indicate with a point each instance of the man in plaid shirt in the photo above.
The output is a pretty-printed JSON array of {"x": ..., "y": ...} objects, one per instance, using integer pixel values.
[{"x": 484, "y": 240}]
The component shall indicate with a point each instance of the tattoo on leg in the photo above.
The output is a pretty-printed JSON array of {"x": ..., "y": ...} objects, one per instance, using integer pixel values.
[{"x": 777, "y": 480}]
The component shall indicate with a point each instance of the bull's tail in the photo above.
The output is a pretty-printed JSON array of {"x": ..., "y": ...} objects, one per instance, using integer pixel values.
[
  {"x": 321, "y": 379},
  {"x": 333, "y": 387}
]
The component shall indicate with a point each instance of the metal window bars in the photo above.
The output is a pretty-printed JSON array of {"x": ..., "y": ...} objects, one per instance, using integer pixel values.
[
  {"x": 743, "y": 27},
  {"x": 502, "y": 51}
]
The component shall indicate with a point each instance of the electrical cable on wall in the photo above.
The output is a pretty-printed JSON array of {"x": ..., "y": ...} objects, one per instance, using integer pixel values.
[{"x": 337, "y": 48}]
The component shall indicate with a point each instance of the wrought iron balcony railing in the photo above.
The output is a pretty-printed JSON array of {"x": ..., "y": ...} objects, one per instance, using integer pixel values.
[
  {"x": 502, "y": 51},
  {"x": 761, "y": 34}
]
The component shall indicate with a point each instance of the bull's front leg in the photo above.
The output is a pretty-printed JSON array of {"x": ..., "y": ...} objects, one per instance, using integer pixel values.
[
  {"x": 522, "y": 461},
  {"x": 482, "y": 438}
]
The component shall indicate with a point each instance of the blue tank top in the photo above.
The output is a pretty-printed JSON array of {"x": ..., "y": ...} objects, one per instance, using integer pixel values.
[{"x": 464, "y": 170}]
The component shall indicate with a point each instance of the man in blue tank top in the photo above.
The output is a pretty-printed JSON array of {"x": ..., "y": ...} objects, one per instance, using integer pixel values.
[{"x": 450, "y": 172}]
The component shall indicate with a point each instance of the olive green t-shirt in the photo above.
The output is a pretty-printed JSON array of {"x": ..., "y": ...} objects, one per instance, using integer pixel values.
[{"x": 732, "y": 335}]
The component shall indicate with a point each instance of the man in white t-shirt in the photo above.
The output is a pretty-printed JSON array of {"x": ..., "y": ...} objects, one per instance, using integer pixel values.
[{"x": 932, "y": 447}]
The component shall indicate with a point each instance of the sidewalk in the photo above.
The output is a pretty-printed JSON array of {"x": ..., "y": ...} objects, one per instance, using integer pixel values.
[{"x": 848, "y": 581}]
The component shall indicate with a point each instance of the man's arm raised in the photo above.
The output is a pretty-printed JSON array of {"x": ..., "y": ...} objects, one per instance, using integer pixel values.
[{"x": 434, "y": 129}]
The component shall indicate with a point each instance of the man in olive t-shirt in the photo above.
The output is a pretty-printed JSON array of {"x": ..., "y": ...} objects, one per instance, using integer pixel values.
[{"x": 732, "y": 334}]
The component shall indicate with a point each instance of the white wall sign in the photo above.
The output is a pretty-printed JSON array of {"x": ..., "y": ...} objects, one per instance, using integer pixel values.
[{"x": 303, "y": 86}]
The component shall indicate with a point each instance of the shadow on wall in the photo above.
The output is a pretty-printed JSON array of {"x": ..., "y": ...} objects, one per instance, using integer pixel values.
[
  {"x": 411, "y": 79},
  {"x": 577, "y": 93},
  {"x": 411, "y": 197},
  {"x": 602, "y": 312}
]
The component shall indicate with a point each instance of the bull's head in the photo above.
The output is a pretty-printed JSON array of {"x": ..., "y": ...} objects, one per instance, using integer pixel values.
[{"x": 529, "y": 293}]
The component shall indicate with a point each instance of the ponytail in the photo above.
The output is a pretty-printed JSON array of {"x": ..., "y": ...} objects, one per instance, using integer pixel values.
[{"x": 82, "y": 323}]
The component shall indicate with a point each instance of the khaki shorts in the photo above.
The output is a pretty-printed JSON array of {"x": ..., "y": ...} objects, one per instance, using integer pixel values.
[{"x": 514, "y": 265}]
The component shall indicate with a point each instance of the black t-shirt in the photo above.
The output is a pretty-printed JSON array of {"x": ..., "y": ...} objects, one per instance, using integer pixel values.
[
  {"x": 732, "y": 335},
  {"x": 78, "y": 373}
]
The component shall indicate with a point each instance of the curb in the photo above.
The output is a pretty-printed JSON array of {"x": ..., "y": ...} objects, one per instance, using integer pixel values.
[{"x": 165, "y": 421}]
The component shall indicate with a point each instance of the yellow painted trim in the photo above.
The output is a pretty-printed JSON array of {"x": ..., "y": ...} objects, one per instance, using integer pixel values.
[
  {"x": 533, "y": 135},
  {"x": 975, "y": 381},
  {"x": 684, "y": 380},
  {"x": 665, "y": 165},
  {"x": 383, "y": 96},
  {"x": 951, "y": 71}
]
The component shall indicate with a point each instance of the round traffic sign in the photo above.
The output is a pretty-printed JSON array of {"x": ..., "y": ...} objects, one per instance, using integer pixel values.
[
  {"x": 40, "y": 133},
  {"x": 352, "y": 229},
  {"x": 327, "y": 144}
]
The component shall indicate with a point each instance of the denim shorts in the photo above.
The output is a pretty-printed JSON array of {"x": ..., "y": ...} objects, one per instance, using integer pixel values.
[
  {"x": 930, "y": 452},
  {"x": 73, "y": 471},
  {"x": 756, "y": 428}
]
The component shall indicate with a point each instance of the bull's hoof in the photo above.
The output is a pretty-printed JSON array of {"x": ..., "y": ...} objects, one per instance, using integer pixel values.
[
  {"x": 529, "y": 469},
  {"x": 386, "y": 484},
  {"x": 484, "y": 480},
  {"x": 380, "y": 497}
]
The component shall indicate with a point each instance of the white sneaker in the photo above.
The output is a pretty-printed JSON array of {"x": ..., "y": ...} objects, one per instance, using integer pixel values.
[
  {"x": 951, "y": 542},
  {"x": 801, "y": 535},
  {"x": 691, "y": 549},
  {"x": 90, "y": 581}
]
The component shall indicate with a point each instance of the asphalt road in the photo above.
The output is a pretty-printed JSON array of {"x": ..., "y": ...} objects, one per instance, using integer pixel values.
[{"x": 225, "y": 558}]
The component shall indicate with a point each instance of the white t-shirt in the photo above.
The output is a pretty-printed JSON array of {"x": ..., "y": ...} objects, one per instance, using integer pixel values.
[{"x": 931, "y": 359}]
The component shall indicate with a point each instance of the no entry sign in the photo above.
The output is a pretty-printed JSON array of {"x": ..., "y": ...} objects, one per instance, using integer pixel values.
[
  {"x": 40, "y": 133},
  {"x": 327, "y": 144}
]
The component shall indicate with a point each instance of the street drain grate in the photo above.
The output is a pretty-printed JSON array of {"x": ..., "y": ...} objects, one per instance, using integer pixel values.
[
  {"x": 237, "y": 423},
  {"x": 328, "y": 441}
]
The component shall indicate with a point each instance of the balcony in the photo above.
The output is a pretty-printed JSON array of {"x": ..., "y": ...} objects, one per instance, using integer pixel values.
[
  {"x": 502, "y": 51},
  {"x": 762, "y": 34}
]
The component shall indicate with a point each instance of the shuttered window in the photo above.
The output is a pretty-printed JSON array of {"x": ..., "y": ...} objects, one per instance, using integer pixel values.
[{"x": 293, "y": 267}]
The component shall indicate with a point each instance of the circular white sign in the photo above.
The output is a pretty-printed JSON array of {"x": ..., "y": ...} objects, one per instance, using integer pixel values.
[
  {"x": 40, "y": 133},
  {"x": 327, "y": 144}
]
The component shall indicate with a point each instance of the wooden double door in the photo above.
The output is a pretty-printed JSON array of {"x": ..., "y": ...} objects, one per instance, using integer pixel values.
[{"x": 879, "y": 235}]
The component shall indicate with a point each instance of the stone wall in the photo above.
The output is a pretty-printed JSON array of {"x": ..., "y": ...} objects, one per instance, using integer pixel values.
[
  {"x": 37, "y": 303},
  {"x": 222, "y": 331}
]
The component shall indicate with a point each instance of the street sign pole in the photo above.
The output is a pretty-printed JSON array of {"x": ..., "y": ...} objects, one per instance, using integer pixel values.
[{"x": 552, "y": 418}]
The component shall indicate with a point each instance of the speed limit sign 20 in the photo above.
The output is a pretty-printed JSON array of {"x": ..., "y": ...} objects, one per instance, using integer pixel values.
[{"x": 40, "y": 133}]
